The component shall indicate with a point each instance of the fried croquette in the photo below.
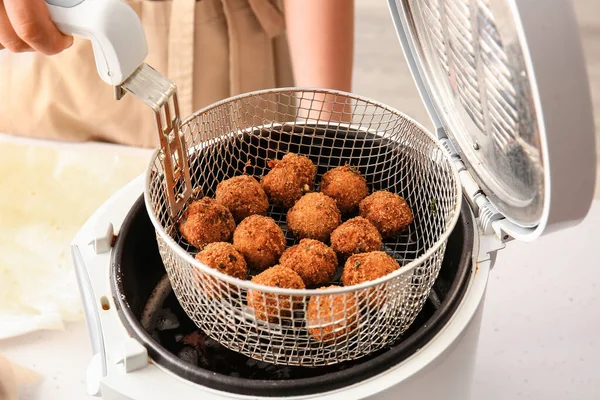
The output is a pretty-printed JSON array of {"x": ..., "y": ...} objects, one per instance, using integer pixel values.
[
  {"x": 289, "y": 179},
  {"x": 224, "y": 258},
  {"x": 357, "y": 235},
  {"x": 260, "y": 240},
  {"x": 269, "y": 306},
  {"x": 243, "y": 196},
  {"x": 332, "y": 318},
  {"x": 206, "y": 221},
  {"x": 346, "y": 186},
  {"x": 314, "y": 261},
  {"x": 365, "y": 267},
  {"x": 314, "y": 216},
  {"x": 387, "y": 211}
]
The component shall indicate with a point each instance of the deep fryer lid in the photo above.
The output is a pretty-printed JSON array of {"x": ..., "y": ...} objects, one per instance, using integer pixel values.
[{"x": 505, "y": 82}]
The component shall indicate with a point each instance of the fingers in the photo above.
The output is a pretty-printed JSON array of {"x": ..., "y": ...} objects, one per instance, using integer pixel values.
[
  {"x": 31, "y": 22},
  {"x": 8, "y": 37}
]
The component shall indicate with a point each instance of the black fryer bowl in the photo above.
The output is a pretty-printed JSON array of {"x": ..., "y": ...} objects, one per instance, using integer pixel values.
[{"x": 136, "y": 269}]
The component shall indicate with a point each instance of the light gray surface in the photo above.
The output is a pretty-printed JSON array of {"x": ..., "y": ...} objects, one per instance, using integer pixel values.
[
  {"x": 539, "y": 337},
  {"x": 380, "y": 71}
]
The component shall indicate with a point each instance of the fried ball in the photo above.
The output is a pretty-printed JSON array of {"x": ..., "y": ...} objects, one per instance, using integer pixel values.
[
  {"x": 387, "y": 211},
  {"x": 314, "y": 261},
  {"x": 365, "y": 267},
  {"x": 260, "y": 240},
  {"x": 289, "y": 179},
  {"x": 224, "y": 258},
  {"x": 243, "y": 196},
  {"x": 206, "y": 221},
  {"x": 269, "y": 306},
  {"x": 346, "y": 186},
  {"x": 331, "y": 318},
  {"x": 357, "y": 235},
  {"x": 314, "y": 216}
]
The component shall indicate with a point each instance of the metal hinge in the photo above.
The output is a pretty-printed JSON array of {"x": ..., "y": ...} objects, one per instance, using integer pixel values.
[{"x": 486, "y": 213}]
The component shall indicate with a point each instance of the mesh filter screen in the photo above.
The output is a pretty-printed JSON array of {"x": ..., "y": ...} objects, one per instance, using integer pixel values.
[{"x": 475, "y": 67}]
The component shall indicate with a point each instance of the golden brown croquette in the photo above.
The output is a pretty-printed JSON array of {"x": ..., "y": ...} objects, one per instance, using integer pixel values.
[
  {"x": 206, "y": 221},
  {"x": 357, "y": 235},
  {"x": 314, "y": 216},
  {"x": 314, "y": 261},
  {"x": 260, "y": 240},
  {"x": 269, "y": 306},
  {"x": 224, "y": 258},
  {"x": 387, "y": 211},
  {"x": 365, "y": 267},
  {"x": 331, "y": 318},
  {"x": 243, "y": 196},
  {"x": 346, "y": 186},
  {"x": 288, "y": 179}
]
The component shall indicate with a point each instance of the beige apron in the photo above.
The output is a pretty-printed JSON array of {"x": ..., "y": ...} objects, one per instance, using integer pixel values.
[{"x": 211, "y": 49}]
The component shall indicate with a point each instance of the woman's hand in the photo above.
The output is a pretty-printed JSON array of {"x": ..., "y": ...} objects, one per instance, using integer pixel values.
[{"x": 25, "y": 25}]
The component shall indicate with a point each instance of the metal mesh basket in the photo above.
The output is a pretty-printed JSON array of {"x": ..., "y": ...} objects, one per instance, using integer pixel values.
[{"x": 310, "y": 327}]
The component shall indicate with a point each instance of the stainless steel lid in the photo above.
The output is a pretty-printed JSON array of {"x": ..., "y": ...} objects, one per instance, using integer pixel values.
[{"x": 505, "y": 81}]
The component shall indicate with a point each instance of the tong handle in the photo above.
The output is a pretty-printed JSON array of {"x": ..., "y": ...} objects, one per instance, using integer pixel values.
[
  {"x": 120, "y": 47},
  {"x": 116, "y": 33}
]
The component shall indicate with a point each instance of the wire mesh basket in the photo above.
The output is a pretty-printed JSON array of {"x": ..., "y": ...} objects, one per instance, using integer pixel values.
[{"x": 309, "y": 327}]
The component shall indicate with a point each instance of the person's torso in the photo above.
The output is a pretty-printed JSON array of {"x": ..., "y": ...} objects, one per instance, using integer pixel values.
[{"x": 211, "y": 49}]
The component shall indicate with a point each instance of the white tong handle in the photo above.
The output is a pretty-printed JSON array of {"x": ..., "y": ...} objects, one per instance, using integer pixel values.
[{"x": 116, "y": 33}]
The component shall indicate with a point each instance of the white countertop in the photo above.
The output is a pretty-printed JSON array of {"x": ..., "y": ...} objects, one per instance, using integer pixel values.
[
  {"x": 540, "y": 335},
  {"x": 539, "y": 338}
]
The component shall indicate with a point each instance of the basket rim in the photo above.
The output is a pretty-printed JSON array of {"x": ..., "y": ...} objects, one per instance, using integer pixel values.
[{"x": 248, "y": 284}]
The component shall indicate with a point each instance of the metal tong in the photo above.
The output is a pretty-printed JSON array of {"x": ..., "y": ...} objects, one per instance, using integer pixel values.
[{"x": 120, "y": 48}]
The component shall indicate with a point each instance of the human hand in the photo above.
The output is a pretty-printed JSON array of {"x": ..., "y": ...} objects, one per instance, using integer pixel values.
[{"x": 25, "y": 25}]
